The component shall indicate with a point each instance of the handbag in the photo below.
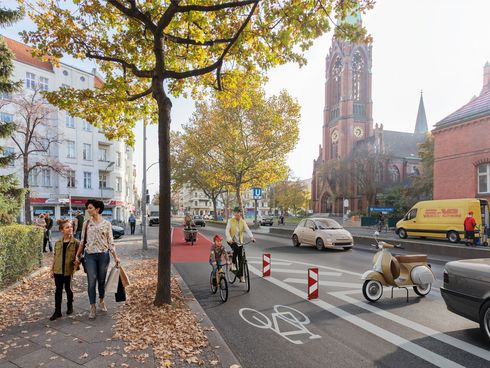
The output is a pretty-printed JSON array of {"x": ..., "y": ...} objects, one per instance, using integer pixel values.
[
  {"x": 111, "y": 284},
  {"x": 82, "y": 258},
  {"x": 121, "y": 292}
]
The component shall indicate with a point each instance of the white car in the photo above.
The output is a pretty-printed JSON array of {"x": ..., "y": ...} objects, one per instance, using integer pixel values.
[{"x": 322, "y": 233}]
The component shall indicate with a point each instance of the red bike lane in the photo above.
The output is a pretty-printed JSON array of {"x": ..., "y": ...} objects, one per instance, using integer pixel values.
[{"x": 183, "y": 252}]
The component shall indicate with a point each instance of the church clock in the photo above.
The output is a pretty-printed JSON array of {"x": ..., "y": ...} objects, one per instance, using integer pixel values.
[
  {"x": 358, "y": 132},
  {"x": 335, "y": 136}
]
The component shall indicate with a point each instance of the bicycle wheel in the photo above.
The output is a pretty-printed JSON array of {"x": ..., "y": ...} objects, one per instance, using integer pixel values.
[
  {"x": 223, "y": 288},
  {"x": 230, "y": 275},
  {"x": 246, "y": 274},
  {"x": 212, "y": 283}
]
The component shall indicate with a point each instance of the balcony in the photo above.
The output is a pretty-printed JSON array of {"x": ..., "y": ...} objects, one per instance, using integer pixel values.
[{"x": 106, "y": 193}]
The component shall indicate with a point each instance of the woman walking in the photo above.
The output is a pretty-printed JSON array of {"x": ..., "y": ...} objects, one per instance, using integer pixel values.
[
  {"x": 64, "y": 267},
  {"x": 97, "y": 242}
]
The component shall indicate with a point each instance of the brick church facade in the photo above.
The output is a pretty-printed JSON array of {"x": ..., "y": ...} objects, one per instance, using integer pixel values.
[
  {"x": 462, "y": 149},
  {"x": 348, "y": 127}
]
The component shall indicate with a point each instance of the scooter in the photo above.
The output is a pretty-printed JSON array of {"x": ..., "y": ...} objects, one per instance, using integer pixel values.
[{"x": 398, "y": 272}]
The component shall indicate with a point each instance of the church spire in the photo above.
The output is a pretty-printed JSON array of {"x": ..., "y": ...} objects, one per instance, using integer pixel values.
[{"x": 421, "y": 123}]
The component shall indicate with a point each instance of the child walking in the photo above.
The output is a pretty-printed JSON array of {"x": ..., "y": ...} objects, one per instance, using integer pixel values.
[{"x": 63, "y": 267}]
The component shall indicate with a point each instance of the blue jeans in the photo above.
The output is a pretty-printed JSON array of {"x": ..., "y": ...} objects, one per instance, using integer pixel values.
[
  {"x": 218, "y": 263},
  {"x": 96, "y": 265}
]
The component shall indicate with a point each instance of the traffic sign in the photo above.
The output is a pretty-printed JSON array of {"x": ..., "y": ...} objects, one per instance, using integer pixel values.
[
  {"x": 381, "y": 209},
  {"x": 257, "y": 193}
]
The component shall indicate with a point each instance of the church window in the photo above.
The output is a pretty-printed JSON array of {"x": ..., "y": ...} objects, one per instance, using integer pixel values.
[
  {"x": 484, "y": 178},
  {"x": 334, "y": 150},
  {"x": 395, "y": 174},
  {"x": 336, "y": 78},
  {"x": 358, "y": 68},
  {"x": 378, "y": 172}
]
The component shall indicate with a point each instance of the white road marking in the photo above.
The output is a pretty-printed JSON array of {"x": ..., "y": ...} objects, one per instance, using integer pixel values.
[
  {"x": 470, "y": 348},
  {"x": 402, "y": 343},
  {"x": 324, "y": 283},
  {"x": 274, "y": 263},
  {"x": 304, "y": 272}
]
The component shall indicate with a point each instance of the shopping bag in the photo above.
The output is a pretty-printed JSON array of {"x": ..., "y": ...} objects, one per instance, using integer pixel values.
[
  {"x": 121, "y": 292},
  {"x": 123, "y": 276},
  {"x": 112, "y": 280}
]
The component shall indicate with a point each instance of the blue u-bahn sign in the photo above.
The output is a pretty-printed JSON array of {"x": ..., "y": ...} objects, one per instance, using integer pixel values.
[{"x": 257, "y": 193}]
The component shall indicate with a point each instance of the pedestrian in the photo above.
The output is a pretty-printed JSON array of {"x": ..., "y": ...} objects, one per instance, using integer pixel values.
[
  {"x": 97, "y": 242},
  {"x": 63, "y": 267},
  {"x": 40, "y": 222},
  {"x": 49, "y": 225},
  {"x": 78, "y": 221},
  {"x": 469, "y": 229},
  {"x": 132, "y": 223},
  {"x": 282, "y": 219}
]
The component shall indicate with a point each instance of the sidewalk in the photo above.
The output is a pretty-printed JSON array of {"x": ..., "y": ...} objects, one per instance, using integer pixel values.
[{"x": 76, "y": 341}]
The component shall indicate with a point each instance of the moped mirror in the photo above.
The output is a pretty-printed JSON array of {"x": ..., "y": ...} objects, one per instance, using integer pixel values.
[{"x": 376, "y": 234}]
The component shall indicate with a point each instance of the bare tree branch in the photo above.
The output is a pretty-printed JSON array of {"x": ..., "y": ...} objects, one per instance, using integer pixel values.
[{"x": 139, "y": 95}]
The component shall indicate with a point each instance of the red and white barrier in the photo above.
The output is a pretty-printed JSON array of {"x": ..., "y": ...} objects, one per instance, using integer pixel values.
[
  {"x": 266, "y": 264},
  {"x": 312, "y": 283}
]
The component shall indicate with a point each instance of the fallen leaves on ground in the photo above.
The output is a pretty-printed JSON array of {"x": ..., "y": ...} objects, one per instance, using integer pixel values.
[{"x": 172, "y": 331}]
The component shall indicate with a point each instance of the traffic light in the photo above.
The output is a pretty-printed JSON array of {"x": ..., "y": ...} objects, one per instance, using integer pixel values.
[{"x": 147, "y": 197}]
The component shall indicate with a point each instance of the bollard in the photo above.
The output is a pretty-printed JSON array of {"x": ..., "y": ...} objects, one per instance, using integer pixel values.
[
  {"x": 312, "y": 283},
  {"x": 266, "y": 264}
]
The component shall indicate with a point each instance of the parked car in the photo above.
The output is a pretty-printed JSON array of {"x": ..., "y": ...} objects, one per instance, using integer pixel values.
[
  {"x": 266, "y": 221},
  {"x": 466, "y": 290},
  {"x": 322, "y": 233},
  {"x": 199, "y": 221},
  {"x": 117, "y": 231},
  {"x": 154, "y": 218}
]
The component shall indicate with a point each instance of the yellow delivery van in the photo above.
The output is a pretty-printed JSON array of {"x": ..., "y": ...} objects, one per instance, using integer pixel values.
[{"x": 444, "y": 219}]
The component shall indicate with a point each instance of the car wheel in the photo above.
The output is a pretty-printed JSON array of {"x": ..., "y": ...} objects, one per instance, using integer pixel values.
[
  {"x": 402, "y": 233},
  {"x": 296, "y": 242},
  {"x": 372, "y": 290},
  {"x": 422, "y": 290},
  {"x": 347, "y": 248},
  {"x": 485, "y": 320},
  {"x": 453, "y": 236},
  {"x": 319, "y": 244}
]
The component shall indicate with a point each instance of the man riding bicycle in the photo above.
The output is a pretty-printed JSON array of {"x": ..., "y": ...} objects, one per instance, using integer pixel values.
[{"x": 235, "y": 229}]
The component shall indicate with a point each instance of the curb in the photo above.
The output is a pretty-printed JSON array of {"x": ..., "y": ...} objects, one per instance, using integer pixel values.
[
  {"x": 226, "y": 356},
  {"x": 30, "y": 276}
]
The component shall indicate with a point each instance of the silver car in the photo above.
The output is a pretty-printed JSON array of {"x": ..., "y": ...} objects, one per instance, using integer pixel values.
[
  {"x": 322, "y": 233},
  {"x": 466, "y": 290}
]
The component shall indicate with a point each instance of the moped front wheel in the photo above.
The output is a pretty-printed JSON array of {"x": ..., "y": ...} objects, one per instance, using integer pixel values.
[
  {"x": 422, "y": 290},
  {"x": 372, "y": 290}
]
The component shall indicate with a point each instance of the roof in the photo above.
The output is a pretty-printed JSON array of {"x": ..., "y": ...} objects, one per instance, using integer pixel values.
[
  {"x": 98, "y": 82},
  {"x": 23, "y": 54},
  {"x": 477, "y": 107},
  {"x": 401, "y": 144},
  {"x": 421, "y": 122}
]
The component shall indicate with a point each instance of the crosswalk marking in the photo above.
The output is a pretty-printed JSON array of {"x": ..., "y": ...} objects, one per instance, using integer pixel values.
[
  {"x": 303, "y": 272},
  {"x": 323, "y": 283}
]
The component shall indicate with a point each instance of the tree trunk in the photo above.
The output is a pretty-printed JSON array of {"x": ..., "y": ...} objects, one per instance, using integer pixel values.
[
  {"x": 215, "y": 214},
  {"x": 27, "y": 198},
  {"x": 239, "y": 199},
  {"x": 163, "y": 294}
]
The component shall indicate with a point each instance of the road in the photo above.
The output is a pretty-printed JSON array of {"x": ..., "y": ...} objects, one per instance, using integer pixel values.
[{"x": 276, "y": 326}]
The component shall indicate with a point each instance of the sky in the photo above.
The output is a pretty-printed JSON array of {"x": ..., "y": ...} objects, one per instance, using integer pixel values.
[{"x": 438, "y": 46}]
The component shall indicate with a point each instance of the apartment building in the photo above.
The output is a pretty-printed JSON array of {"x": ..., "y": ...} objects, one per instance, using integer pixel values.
[{"x": 97, "y": 167}]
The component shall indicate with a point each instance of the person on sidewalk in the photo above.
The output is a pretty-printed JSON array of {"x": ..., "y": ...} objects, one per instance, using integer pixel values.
[
  {"x": 235, "y": 229},
  {"x": 78, "y": 221},
  {"x": 97, "y": 242},
  {"x": 469, "y": 229},
  {"x": 132, "y": 223},
  {"x": 49, "y": 225},
  {"x": 40, "y": 222},
  {"x": 217, "y": 255},
  {"x": 63, "y": 267}
]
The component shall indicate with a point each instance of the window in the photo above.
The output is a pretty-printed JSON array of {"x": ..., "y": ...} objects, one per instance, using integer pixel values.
[
  {"x": 82, "y": 78},
  {"x": 119, "y": 184},
  {"x": 358, "y": 77},
  {"x": 70, "y": 179},
  {"x": 484, "y": 178},
  {"x": 9, "y": 151},
  {"x": 395, "y": 174},
  {"x": 102, "y": 180},
  {"x": 118, "y": 159},
  {"x": 102, "y": 154},
  {"x": 30, "y": 80},
  {"x": 43, "y": 83},
  {"x": 5, "y": 96},
  {"x": 46, "y": 177},
  {"x": 65, "y": 72},
  {"x": 195, "y": 203},
  {"x": 86, "y": 126},
  {"x": 87, "y": 180},
  {"x": 6, "y": 117},
  {"x": 70, "y": 121},
  {"x": 87, "y": 151},
  {"x": 411, "y": 215},
  {"x": 70, "y": 145},
  {"x": 33, "y": 177}
]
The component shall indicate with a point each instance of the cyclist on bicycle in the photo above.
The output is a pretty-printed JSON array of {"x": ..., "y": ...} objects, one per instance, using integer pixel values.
[
  {"x": 381, "y": 221},
  {"x": 217, "y": 254},
  {"x": 235, "y": 229}
]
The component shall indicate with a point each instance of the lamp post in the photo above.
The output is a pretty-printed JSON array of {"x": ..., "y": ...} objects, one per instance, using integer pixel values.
[{"x": 101, "y": 186}]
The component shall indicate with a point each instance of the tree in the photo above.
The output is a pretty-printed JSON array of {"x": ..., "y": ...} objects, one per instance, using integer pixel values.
[
  {"x": 246, "y": 145},
  {"x": 422, "y": 184},
  {"x": 292, "y": 195},
  {"x": 10, "y": 193},
  {"x": 35, "y": 139},
  {"x": 147, "y": 47}
]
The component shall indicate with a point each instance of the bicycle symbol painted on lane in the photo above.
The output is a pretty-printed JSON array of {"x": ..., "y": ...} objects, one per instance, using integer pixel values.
[{"x": 286, "y": 321}]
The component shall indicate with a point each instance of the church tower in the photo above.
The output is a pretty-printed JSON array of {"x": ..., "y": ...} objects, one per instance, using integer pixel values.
[{"x": 421, "y": 122}]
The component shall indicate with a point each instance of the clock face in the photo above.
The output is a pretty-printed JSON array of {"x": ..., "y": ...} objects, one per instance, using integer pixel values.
[
  {"x": 335, "y": 136},
  {"x": 358, "y": 132}
]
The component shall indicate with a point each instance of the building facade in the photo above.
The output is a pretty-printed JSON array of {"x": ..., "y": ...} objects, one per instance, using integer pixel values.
[
  {"x": 462, "y": 149},
  {"x": 94, "y": 167}
]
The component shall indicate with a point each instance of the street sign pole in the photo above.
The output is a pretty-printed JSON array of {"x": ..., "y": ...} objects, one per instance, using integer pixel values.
[{"x": 255, "y": 221}]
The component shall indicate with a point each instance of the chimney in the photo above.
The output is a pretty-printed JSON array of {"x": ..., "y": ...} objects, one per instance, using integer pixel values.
[{"x": 486, "y": 78}]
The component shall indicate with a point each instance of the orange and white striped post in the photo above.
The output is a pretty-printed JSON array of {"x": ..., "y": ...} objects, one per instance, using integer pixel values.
[
  {"x": 266, "y": 264},
  {"x": 313, "y": 283}
]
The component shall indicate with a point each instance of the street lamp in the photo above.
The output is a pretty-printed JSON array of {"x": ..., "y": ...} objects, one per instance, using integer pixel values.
[{"x": 101, "y": 186}]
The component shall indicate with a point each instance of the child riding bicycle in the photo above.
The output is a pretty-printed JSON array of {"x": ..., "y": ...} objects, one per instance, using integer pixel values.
[{"x": 217, "y": 253}]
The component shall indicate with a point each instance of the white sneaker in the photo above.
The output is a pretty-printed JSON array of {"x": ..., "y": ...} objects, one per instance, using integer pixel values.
[
  {"x": 102, "y": 306},
  {"x": 92, "y": 314},
  {"x": 242, "y": 279},
  {"x": 233, "y": 267}
]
